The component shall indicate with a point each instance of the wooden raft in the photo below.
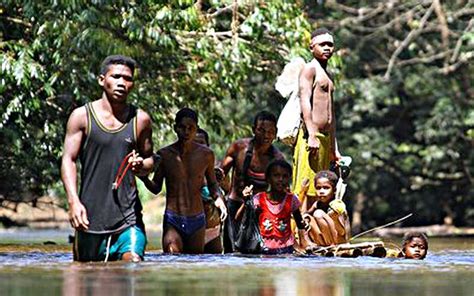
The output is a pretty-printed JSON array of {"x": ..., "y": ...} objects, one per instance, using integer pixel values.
[{"x": 374, "y": 249}]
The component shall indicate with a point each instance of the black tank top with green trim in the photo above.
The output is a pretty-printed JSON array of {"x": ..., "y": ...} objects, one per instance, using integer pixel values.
[{"x": 102, "y": 152}]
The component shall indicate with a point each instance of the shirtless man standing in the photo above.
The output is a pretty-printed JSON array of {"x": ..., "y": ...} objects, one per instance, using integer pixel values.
[
  {"x": 259, "y": 152},
  {"x": 316, "y": 144},
  {"x": 106, "y": 215},
  {"x": 184, "y": 164}
]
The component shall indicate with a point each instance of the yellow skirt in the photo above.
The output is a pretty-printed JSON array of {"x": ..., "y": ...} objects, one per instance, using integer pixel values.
[{"x": 306, "y": 165}]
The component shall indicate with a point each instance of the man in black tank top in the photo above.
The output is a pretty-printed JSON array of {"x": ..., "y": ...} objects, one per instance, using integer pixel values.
[
  {"x": 106, "y": 212},
  {"x": 248, "y": 159}
]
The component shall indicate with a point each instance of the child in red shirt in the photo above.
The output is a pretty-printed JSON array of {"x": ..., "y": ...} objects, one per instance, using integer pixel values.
[{"x": 275, "y": 209}]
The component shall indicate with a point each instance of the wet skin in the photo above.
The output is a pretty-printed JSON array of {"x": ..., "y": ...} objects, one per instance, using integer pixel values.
[{"x": 415, "y": 249}]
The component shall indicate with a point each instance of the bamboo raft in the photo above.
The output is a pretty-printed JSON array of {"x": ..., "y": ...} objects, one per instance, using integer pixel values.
[{"x": 374, "y": 249}]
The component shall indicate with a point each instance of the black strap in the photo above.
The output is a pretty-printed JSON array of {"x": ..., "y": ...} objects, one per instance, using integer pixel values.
[{"x": 247, "y": 160}]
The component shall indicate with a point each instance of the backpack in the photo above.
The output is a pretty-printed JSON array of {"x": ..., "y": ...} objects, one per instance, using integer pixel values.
[{"x": 287, "y": 85}]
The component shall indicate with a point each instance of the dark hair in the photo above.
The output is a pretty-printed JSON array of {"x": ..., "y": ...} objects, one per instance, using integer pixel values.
[
  {"x": 278, "y": 163},
  {"x": 206, "y": 135},
  {"x": 186, "y": 112},
  {"x": 409, "y": 236},
  {"x": 117, "y": 60},
  {"x": 320, "y": 31},
  {"x": 331, "y": 176},
  {"x": 264, "y": 115}
]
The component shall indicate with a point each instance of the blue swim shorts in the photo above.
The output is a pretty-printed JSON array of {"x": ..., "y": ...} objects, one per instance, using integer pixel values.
[{"x": 98, "y": 247}]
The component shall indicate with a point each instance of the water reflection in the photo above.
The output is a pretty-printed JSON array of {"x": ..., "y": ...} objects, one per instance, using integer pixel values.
[
  {"x": 446, "y": 272},
  {"x": 93, "y": 279},
  {"x": 80, "y": 281}
]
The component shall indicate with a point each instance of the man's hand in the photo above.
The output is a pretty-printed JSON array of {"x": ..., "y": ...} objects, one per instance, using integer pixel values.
[
  {"x": 336, "y": 156},
  {"x": 304, "y": 186},
  {"x": 78, "y": 216},
  {"x": 248, "y": 191},
  {"x": 219, "y": 174},
  {"x": 219, "y": 203},
  {"x": 136, "y": 162},
  {"x": 313, "y": 144}
]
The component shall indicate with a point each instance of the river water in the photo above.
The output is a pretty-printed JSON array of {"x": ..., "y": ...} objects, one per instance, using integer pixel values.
[{"x": 29, "y": 267}]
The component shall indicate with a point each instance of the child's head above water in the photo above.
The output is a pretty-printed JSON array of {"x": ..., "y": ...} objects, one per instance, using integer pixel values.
[
  {"x": 325, "y": 184},
  {"x": 415, "y": 245},
  {"x": 278, "y": 174}
]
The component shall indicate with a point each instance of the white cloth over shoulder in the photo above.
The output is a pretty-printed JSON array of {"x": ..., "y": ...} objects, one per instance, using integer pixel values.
[{"x": 287, "y": 85}]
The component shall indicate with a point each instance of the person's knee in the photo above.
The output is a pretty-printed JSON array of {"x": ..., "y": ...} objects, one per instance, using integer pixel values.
[
  {"x": 173, "y": 246},
  {"x": 319, "y": 214},
  {"x": 131, "y": 257}
]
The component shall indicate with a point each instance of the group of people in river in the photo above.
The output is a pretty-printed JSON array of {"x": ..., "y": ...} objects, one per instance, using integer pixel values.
[{"x": 113, "y": 141}]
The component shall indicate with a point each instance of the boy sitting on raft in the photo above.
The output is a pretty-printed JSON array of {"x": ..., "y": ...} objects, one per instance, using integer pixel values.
[{"x": 327, "y": 216}]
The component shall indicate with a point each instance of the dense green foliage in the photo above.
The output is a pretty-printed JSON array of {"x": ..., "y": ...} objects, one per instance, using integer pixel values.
[{"x": 404, "y": 109}]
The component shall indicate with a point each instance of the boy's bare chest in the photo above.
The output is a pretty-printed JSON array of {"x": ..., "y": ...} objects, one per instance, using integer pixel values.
[{"x": 186, "y": 165}]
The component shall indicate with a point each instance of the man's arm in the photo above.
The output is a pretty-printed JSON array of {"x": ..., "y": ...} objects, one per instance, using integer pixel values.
[
  {"x": 227, "y": 164},
  {"x": 214, "y": 186},
  {"x": 229, "y": 159},
  {"x": 335, "y": 154},
  {"x": 142, "y": 164},
  {"x": 75, "y": 132},
  {"x": 306, "y": 80},
  {"x": 156, "y": 183}
]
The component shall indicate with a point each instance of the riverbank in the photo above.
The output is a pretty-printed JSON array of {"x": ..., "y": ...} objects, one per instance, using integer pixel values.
[
  {"x": 47, "y": 213},
  {"x": 430, "y": 230}
]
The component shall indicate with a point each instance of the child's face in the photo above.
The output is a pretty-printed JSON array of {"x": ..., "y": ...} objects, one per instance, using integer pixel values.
[
  {"x": 324, "y": 190},
  {"x": 279, "y": 179},
  {"x": 415, "y": 249}
]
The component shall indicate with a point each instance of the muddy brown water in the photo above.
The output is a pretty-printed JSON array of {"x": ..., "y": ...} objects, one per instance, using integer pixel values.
[{"x": 28, "y": 267}]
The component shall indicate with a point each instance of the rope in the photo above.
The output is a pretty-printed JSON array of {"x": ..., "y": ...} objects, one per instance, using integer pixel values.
[{"x": 380, "y": 227}]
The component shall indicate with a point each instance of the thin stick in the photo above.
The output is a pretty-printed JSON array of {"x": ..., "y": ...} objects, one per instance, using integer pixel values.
[{"x": 383, "y": 226}]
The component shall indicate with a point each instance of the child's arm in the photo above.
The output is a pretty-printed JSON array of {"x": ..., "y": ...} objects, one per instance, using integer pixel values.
[
  {"x": 303, "y": 228},
  {"x": 312, "y": 209},
  {"x": 248, "y": 191},
  {"x": 302, "y": 195},
  {"x": 299, "y": 220}
]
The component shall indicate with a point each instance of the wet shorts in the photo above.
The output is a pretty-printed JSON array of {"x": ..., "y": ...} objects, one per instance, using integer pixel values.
[
  {"x": 98, "y": 247},
  {"x": 185, "y": 225}
]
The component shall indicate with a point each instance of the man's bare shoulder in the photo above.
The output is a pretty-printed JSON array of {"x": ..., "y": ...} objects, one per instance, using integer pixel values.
[
  {"x": 241, "y": 144},
  {"x": 309, "y": 69},
  {"x": 277, "y": 153},
  {"x": 167, "y": 150},
  {"x": 203, "y": 149},
  {"x": 144, "y": 119},
  {"x": 78, "y": 117}
]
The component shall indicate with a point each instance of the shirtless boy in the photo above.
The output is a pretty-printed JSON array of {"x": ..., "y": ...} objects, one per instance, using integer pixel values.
[
  {"x": 316, "y": 142},
  {"x": 108, "y": 222},
  {"x": 183, "y": 166},
  {"x": 260, "y": 152}
]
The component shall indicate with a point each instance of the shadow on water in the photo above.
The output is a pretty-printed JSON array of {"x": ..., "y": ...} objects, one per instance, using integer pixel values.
[{"x": 49, "y": 270}]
